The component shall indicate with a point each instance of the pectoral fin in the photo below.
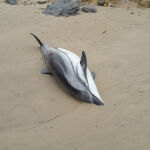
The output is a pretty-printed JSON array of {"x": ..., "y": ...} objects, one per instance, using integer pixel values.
[
  {"x": 93, "y": 74},
  {"x": 46, "y": 71}
]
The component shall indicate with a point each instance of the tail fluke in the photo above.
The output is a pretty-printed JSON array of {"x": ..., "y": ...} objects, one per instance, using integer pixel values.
[{"x": 38, "y": 40}]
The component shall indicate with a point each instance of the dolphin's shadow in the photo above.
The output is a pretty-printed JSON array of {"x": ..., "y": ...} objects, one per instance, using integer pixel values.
[{"x": 61, "y": 88}]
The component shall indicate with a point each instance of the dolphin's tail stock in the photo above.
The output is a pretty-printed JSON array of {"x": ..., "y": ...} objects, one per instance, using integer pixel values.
[{"x": 38, "y": 40}]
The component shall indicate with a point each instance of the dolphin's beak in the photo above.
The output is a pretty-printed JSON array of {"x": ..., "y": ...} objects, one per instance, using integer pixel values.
[{"x": 97, "y": 101}]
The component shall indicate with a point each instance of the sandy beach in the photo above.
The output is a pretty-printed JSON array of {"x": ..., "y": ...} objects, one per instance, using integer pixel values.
[{"x": 36, "y": 113}]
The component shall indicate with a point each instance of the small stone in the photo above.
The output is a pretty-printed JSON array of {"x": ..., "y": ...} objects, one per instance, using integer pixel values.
[
  {"x": 104, "y": 31},
  {"x": 39, "y": 1},
  {"x": 42, "y": 1},
  {"x": 89, "y": 8},
  {"x": 11, "y": 2},
  {"x": 100, "y": 3},
  {"x": 106, "y": 4},
  {"x": 111, "y": 5},
  {"x": 132, "y": 12}
]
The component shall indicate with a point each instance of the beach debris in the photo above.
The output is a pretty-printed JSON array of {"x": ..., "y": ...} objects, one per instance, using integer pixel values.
[
  {"x": 62, "y": 8},
  {"x": 132, "y": 12},
  {"x": 111, "y": 5},
  {"x": 11, "y": 2},
  {"x": 146, "y": 3},
  {"x": 89, "y": 9},
  {"x": 104, "y": 31},
  {"x": 100, "y": 3},
  {"x": 41, "y": 1}
]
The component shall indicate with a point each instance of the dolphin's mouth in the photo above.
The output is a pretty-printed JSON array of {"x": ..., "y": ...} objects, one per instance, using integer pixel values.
[{"x": 97, "y": 101}]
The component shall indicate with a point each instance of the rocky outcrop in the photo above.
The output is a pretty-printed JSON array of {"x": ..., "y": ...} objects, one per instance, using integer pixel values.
[{"x": 62, "y": 8}]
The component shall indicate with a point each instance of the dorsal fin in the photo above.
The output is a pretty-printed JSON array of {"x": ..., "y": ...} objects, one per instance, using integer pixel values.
[{"x": 83, "y": 62}]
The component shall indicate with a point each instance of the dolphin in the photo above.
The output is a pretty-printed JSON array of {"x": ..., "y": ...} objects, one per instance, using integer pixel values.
[{"x": 71, "y": 71}]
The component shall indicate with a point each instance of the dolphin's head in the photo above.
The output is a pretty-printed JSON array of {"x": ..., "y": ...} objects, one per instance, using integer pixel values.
[
  {"x": 97, "y": 101},
  {"x": 82, "y": 95},
  {"x": 85, "y": 96}
]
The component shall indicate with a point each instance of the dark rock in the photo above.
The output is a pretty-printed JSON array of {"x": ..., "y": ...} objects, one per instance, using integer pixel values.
[
  {"x": 89, "y": 8},
  {"x": 62, "y": 8},
  {"x": 11, "y": 2},
  {"x": 42, "y": 1},
  {"x": 100, "y": 3}
]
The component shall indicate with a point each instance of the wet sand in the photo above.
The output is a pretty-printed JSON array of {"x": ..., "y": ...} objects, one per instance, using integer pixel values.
[{"x": 36, "y": 113}]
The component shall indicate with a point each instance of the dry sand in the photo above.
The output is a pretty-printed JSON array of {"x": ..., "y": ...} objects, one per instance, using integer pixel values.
[{"x": 37, "y": 114}]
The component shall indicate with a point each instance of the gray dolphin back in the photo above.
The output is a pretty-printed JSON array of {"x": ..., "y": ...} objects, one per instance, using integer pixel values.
[{"x": 64, "y": 72}]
